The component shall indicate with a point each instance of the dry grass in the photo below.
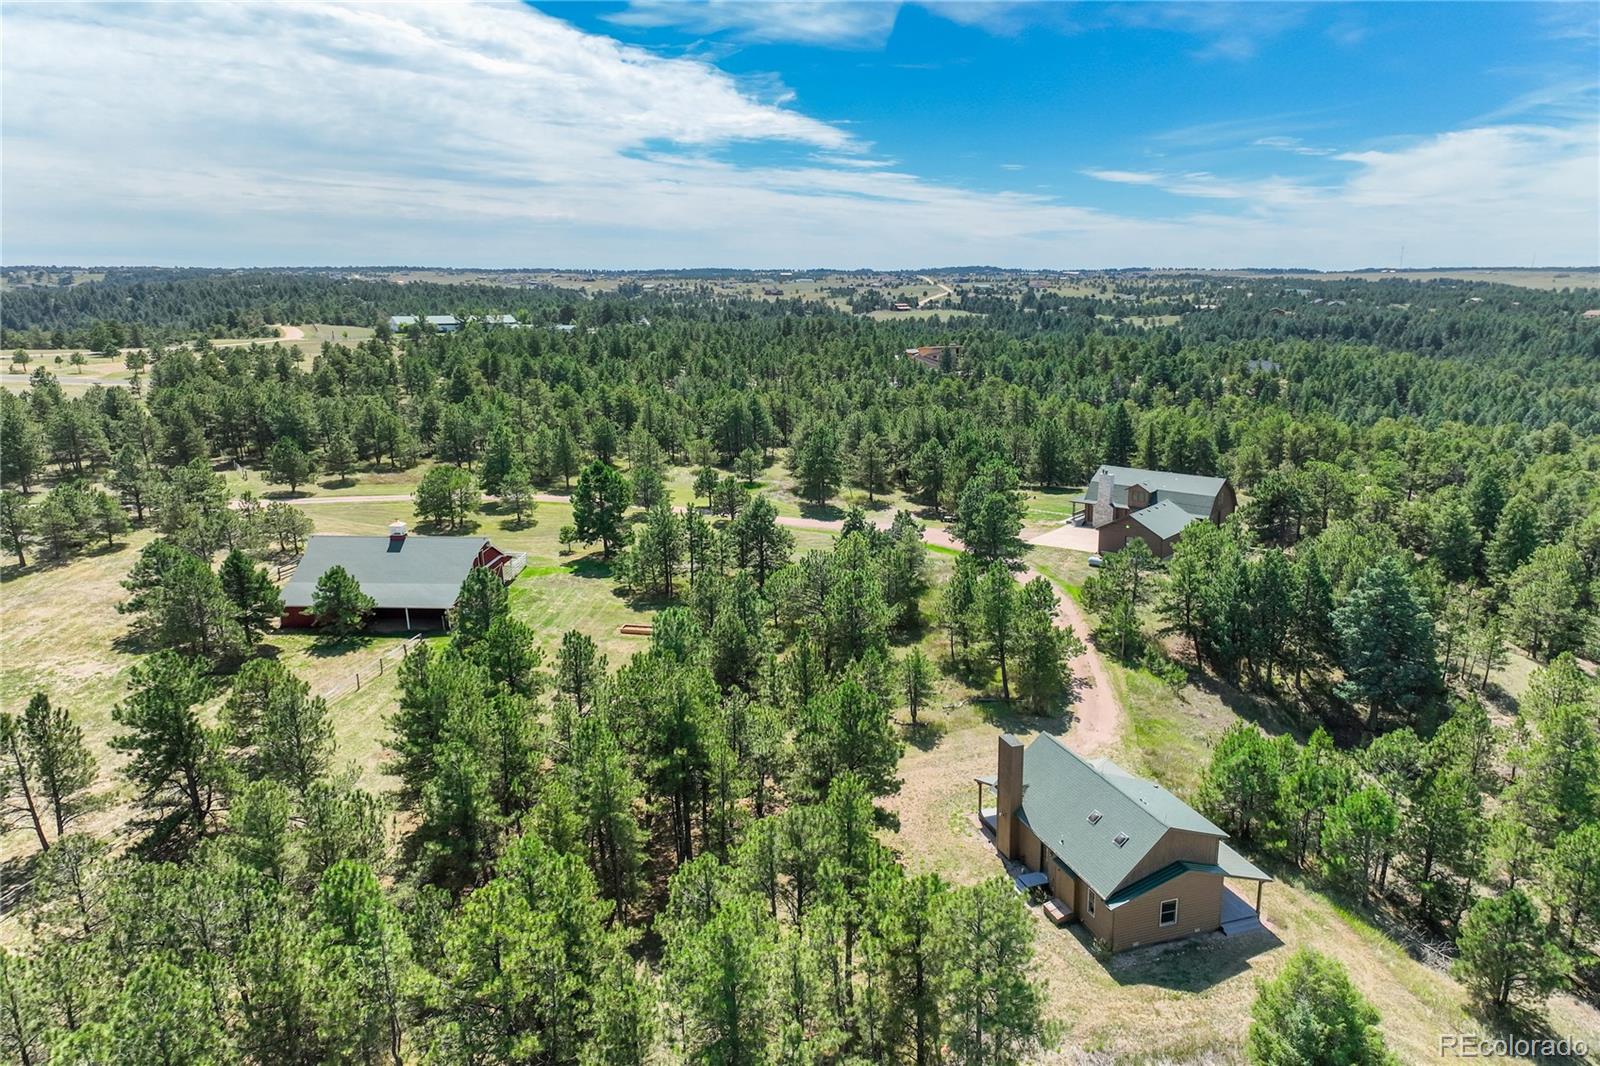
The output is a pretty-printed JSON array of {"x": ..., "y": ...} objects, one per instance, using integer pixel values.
[{"x": 1188, "y": 1002}]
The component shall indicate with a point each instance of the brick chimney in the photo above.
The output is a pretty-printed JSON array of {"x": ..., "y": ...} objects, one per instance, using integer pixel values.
[{"x": 1008, "y": 787}]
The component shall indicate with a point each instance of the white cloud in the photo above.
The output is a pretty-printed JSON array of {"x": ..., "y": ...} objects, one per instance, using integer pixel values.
[
  {"x": 1291, "y": 144},
  {"x": 499, "y": 136},
  {"x": 840, "y": 23}
]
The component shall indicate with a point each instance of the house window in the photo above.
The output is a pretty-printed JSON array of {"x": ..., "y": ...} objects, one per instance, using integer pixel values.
[
  {"x": 1091, "y": 902},
  {"x": 1169, "y": 912}
]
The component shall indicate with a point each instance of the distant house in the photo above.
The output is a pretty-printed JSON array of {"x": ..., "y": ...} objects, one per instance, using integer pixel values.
[
  {"x": 493, "y": 321},
  {"x": 441, "y": 323},
  {"x": 1131, "y": 861},
  {"x": 1123, "y": 502},
  {"x": 932, "y": 355},
  {"x": 1592, "y": 313},
  {"x": 414, "y": 580},
  {"x": 902, "y": 307},
  {"x": 770, "y": 291}
]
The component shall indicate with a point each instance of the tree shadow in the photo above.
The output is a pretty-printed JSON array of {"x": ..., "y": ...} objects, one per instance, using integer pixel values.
[
  {"x": 825, "y": 512},
  {"x": 337, "y": 483},
  {"x": 925, "y": 735},
  {"x": 1192, "y": 964},
  {"x": 1273, "y": 717},
  {"x": 1518, "y": 1022},
  {"x": 284, "y": 494},
  {"x": 327, "y": 647},
  {"x": 465, "y": 527},
  {"x": 590, "y": 566}
]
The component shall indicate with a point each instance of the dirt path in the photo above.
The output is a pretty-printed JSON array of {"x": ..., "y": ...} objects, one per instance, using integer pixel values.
[
  {"x": 926, "y": 300},
  {"x": 1096, "y": 715}
]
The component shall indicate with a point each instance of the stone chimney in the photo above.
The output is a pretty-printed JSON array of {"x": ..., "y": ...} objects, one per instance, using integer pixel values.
[
  {"x": 1008, "y": 787},
  {"x": 1105, "y": 487},
  {"x": 397, "y": 532}
]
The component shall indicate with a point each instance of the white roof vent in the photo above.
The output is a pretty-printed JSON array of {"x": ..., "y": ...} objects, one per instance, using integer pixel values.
[{"x": 397, "y": 531}]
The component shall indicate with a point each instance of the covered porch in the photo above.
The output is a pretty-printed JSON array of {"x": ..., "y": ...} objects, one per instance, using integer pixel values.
[
  {"x": 987, "y": 816},
  {"x": 1238, "y": 916}
]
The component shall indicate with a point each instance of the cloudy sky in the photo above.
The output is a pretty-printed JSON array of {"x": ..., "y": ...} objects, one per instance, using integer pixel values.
[{"x": 660, "y": 133}]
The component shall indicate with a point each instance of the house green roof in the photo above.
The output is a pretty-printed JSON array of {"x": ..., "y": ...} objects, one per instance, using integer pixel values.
[
  {"x": 1060, "y": 791},
  {"x": 1235, "y": 865},
  {"x": 1165, "y": 519},
  {"x": 1159, "y": 878},
  {"x": 411, "y": 571},
  {"x": 1195, "y": 493}
]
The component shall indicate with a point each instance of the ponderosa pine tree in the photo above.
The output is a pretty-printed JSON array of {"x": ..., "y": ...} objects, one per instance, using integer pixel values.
[
  {"x": 255, "y": 598},
  {"x": 599, "y": 506},
  {"x": 1386, "y": 647},
  {"x": 991, "y": 1008},
  {"x": 175, "y": 762},
  {"x": 1310, "y": 1013},
  {"x": 989, "y": 514},
  {"x": 1505, "y": 956},
  {"x": 339, "y": 606},
  {"x": 60, "y": 763}
]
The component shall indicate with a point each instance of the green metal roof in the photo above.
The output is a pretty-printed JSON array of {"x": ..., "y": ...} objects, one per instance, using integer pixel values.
[
  {"x": 1165, "y": 519},
  {"x": 1235, "y": 865},
  {"x": 1060, "y": 791},
  {"x": 1159, "y": 878},
  {"x": 413, "y": 571},
  {"x": 1194, "y": 493}
]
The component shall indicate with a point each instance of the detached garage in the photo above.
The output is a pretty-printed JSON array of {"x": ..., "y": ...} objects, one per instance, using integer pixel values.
[{"x": 413, "y": 580}]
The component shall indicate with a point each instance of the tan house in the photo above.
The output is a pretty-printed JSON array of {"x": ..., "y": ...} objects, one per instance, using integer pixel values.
[
  {"x": 1131, "y": 861},
  {"x": 1124, "y": 502}
]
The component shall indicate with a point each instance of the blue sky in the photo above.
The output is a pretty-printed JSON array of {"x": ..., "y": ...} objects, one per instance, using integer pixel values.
[{"x": 876, "y": 134}]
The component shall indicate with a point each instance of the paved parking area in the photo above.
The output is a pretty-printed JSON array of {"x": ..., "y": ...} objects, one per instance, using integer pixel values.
[{"x": 1078, "y": 538}]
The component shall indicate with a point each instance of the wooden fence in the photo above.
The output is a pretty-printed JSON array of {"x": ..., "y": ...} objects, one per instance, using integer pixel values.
[{"x": 373, "y": 670}]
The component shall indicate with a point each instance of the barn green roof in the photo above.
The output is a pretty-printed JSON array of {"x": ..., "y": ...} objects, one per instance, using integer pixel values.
[{"x": 410, "y": 571}]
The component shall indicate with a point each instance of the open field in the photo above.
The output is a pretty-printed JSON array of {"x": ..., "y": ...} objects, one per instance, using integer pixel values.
[
  {"x": 1574, "y": 278},
  {"x": 99, "y": 370},
  {"x": 81, "y": 660},
  {"x": 935, "y": 311}
]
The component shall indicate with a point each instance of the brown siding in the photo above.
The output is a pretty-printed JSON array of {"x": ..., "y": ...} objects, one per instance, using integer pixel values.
[
  {"x": 1098, "y": 923},
  {"x": 1116, "y": 536},
  {"x": 1063, "y": 886},
  {"x": 1175, "y": 845},
  {"x": 1224, "y": 505},
  {"x": 1199, "y": 897},
  {"x": 1026, "y": 845},
  {"x": 1138, "y": 497}
]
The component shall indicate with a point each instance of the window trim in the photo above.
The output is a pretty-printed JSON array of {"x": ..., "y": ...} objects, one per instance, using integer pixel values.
[{"x": 1162, "y": 910}]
